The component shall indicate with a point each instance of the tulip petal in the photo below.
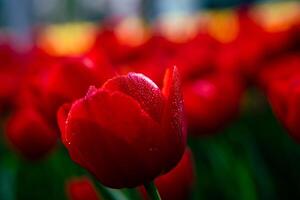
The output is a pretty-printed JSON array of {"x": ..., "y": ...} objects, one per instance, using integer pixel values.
[
  {"x": 62, "y": 115},
  {"x": 142, "y": 89},
  {"x": 174, "y": 100},
  {"x": 173, "y": 117}
]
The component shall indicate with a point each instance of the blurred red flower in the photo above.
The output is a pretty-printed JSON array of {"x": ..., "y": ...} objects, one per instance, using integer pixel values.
[
  {"x": 47, "y": 85},
  {"x": 281, "y": 83},
  {"x": 211, "y": 103},
  {"x": 30, "y": 134},
  {"x": 68, "y": 80},
  {"x": 127, "y": 132},
  {"x": 81, "y": 189}
]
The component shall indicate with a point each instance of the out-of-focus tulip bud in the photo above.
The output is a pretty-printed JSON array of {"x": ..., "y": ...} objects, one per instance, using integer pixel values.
[
  {"x": 196, "y": 56},
  {"x": 284, "y": 97},
  {"x": 281, "y": 82},
  {"x": 67, "y": 81},
  {"x": 30, "y": 134},
  {"x": 211, "y": 103},
  {"x": 152, "y": 59},
  {"x": 178, "y": 183},
  {"x": 101, "y": 62},
  {"x": 129, "y": 112},
  {"x": 117, "y": 50},
  {"x": 281, "y": 68},
  {"x": 81, "y": 189}
]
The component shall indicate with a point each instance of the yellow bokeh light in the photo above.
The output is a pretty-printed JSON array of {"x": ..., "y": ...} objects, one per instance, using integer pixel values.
[
  {"x": 132, "y": 31},
  {"x": 67, "y": 39},
  {"x": 223, "y": 25},
  {"x": 275, "y": 17},
  {"x": 178, "y": 27}
]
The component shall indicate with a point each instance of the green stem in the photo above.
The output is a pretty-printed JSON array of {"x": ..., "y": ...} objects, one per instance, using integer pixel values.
[{"x": 152, "y": 191}]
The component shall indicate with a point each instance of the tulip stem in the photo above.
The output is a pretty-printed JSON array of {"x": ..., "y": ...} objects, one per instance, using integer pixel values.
[{"x": 152, "y": 191}]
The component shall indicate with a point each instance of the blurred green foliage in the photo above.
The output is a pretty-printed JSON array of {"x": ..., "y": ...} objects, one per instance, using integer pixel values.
[{"x": 252, "y": 159}]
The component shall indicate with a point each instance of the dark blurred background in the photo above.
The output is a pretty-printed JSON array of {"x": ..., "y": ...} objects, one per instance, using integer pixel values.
[
  {"x": 28, "y": 12},
  {"x": 22, "y": 13}
]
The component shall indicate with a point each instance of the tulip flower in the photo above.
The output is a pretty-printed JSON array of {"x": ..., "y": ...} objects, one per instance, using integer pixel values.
[
  {"x": 151, "y": 59},
  {"x": 81, "y": 189},
  {"x": 211, "y": 103},
  {"x": 280, "y": 80},
  {"x": 278, "y": 69},
  {"x": 127, "y": 132},
  {"x": 30, "y": 134},
  {"x": 244, "y": 53},
  {"x": 115, "y": 49},
  {"x": 68, "y": 80},
  {"x": 287, "y": 105},
  {"x": 176, "y": 184},
  {"x": 196, "y": 56}
]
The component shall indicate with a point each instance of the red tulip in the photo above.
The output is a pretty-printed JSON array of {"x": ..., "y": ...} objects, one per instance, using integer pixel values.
[
  {"x": 211, "y": 103},
  {"x": 150, "y": 59},
  {"x": 281, "y": 81},
  {"x": 176, "y": 184},
  {"x": 29, "y": 133},
  {"x": 280, "y": 94},
  {"x": 67, "y": 81},
  {"x": 196, "y": 56},
  {"x": 81, "y": 189},
  {"x": 115, "y": 49},
  {"x": 281, "y": 68},
  {"x": 244, "y": 54},
  {"x": 128, "y": 131}
]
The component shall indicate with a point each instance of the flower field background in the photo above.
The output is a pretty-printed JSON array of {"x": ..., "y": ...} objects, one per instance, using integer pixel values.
[{"x": 239, "y": 72}]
